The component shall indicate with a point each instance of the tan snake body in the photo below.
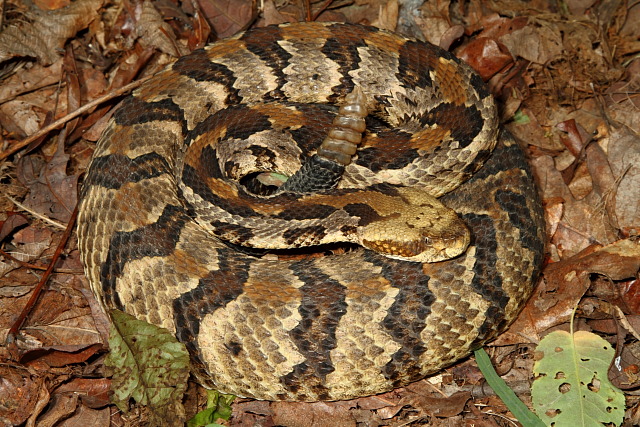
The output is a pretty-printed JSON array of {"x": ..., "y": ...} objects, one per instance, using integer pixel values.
[{"x": 171, "y": 206}]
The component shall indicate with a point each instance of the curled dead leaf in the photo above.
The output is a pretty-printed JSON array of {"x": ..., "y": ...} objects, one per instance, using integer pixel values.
[{"x": 42, "y": 32}]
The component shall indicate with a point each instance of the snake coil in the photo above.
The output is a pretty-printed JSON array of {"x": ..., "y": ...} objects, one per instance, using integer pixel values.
[{"x": 179, "y": 190}]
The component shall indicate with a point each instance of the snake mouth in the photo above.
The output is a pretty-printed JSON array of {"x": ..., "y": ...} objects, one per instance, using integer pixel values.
[
  {"x": 427, "y": 250},
  {"x": 301, "y": 253}
]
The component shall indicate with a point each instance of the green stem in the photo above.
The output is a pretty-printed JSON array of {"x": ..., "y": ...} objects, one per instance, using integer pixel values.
[{"x": 515, "y": 405}]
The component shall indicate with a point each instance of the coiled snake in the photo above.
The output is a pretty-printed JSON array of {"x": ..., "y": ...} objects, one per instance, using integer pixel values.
[{"x": 301, "y": 136}]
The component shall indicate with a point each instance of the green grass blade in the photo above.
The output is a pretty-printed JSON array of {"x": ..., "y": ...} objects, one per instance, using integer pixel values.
[{"x": 515, "y": 405}]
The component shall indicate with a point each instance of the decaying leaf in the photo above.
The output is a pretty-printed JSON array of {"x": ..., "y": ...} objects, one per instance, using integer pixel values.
[
  {"x": 624, "y": 152},
  {"x": 42, "y": 32},
  {"x": 150, "y": 366},
  {"x": 228, "y": 16},
  {"x": 52, "y": 193},
  {"x": 27, "y": 244},
  {"x": 565, "y": 283},
  {"x": 18, "y": 394},
  {"x": 157, "y": 33},
  {"x": 571, "y": 385}
]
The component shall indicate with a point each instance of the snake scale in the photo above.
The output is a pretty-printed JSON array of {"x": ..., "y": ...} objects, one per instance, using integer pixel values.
[{"x": 313, "y": 287}]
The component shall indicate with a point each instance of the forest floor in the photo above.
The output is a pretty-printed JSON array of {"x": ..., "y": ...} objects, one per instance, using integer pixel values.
[{"x": 566, "y": 75}]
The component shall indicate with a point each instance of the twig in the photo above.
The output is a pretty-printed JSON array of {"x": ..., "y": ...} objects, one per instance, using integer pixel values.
[
  {"x": 13, "y": 331},
  {"x": 319, "y": 11},
  {"x": 37, "y": 267},
  {"x": 36, "y": 214},
  {"x": 114, "y": 94}
]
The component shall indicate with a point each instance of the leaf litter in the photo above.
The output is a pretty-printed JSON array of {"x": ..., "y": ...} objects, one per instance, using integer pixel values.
[{"x": 567, "y": 80}]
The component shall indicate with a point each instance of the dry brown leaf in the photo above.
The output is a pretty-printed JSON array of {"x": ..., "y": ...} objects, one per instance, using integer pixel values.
[
  {"x": 86, "y": 417},
  {"x": 302, "y": 414},
  {"x": 624, "y": 158},
  {"x": 251, "y": 412},
  {"x": 43, "y": 401},
  {"x": 434, "y": 20},
  {"x": 450, "y": 36},
  {"x": 59, "y": 408},
  {"x": 227, "y": 16},
  {"x": 574, "y": 137},
  {"x": 74, "y": 96},
  {"x": 94, "y": 392},
  {"x": 18, "y": 394},
  {"x": 579, "y": 7},
  {"x": 26, "y": 114},
  {"x": 585, "y": 48},
  {"x": 630, "y": 293},
  {"x": 584, "y": 221},
  {"x": 52, "y": 193},
  {"x": 24, "y": 109},
  {"x": 51, "y": 4},
  {"x": 28, "y": 244},
  {"x": 541, "y": 43},
  {"x": 436, "y": 404},
  {"x": 201, "y": 32},
  {"x": 154, "y": 32},
  {"x": 581, "y": 184},
  {"x": 13, "y": 222},
  {"x": 495, "y": 26},
  {"x": 625, "y": 372},
  {"x": 533, "y": 132},
  {"x": 61, "y": 317},
  {"x": 486, "y": 56},
  {"x": 271, "y": 15},
  {"x": 28, "y": 80},
  {"x": 565, "y": 283},
  {"x": 46, "y": 31},
  {"x": 388, "y": 17},
  {"x": 60, "y": 355}
]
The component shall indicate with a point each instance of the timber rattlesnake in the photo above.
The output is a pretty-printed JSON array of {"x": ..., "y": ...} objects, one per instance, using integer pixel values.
[{"x": 190, "y": 156}]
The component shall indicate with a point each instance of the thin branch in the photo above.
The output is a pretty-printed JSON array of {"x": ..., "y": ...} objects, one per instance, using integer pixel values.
[
  {"x": 13, "y": 331},
  {"x": 36, "y": 214},
  {"x": 114, "y": 94},
  {"x": 37, "y": 267}
]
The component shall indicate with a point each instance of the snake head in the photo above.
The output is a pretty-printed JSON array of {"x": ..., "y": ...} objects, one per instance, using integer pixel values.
[{"x": 420, "y": 229}]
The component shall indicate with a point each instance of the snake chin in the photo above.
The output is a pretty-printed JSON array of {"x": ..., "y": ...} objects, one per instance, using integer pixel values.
[{"x": 413, "y": 245}]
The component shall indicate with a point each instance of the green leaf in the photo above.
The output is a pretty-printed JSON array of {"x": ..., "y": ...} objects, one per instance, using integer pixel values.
[
  {"x": 150, "y": 366},
  {"x": 515, "y": 405},
  {"x": 571, "y": 386},
  {"x": 218, "y": 406},
  {"x": 521, "y": 118},
  {"x": 272, "y": 178}
]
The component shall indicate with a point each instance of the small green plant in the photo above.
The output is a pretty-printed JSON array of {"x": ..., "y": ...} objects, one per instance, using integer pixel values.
[
  {"x": 218, "y": 406},
  {"x": 515, "y": 405},
  {"x": 149, "y": 366}
]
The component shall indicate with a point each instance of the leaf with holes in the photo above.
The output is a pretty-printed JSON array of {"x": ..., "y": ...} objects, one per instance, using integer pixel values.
[
  {"x": 571, "y": 385},
  {"x": 150, "y": 366}
]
